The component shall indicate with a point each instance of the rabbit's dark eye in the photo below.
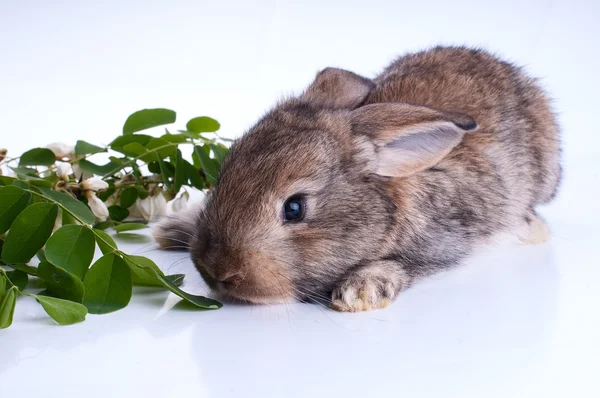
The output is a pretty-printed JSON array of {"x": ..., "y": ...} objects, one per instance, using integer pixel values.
[{"x": 293, "y": 208}]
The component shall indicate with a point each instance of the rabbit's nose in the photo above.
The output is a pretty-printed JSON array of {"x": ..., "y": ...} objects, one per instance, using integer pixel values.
[{"x": 226, "y": 276}]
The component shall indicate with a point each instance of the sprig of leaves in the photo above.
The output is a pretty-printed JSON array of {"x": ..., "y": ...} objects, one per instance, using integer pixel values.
[{"x": 57, "y": 217}]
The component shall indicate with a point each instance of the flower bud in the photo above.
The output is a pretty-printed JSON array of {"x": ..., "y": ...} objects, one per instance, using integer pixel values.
[{"x": 97, "y": 206}]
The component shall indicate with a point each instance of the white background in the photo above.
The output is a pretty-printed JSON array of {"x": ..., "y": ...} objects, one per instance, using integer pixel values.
[{"x": 513, "y": 322}]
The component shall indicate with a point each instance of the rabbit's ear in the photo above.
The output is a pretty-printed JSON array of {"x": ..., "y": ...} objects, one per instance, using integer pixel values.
[
  {"x": 338, "y": 89},
  {"x": 408, "y": 138}
]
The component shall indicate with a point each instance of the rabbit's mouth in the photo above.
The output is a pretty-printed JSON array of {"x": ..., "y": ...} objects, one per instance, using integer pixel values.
[{"x": 250, "y": 287}]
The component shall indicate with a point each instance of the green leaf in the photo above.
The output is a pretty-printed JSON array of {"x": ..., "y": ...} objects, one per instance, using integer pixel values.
[
  {"x": 180, "y": 172},
  {"x": 105, "y": 194},
  {"x": 25, "y": 172},
  {"x": 63, "y": 311},
  {"x": 220, "y": 151},
  {"x": 194, "y": 176},
  {"x": 25, "y": 268},
  {"x": 85, "y": 148},
  {"x": 209, "y": 168},
  {"x": 134, "y": 149},
  {"x": 142, "y": 193},
  {"x": 148, "y": 118},
  {"x": 2, "y": 285},
  {"x": 12, "y": 201},
  {"x": 5, "y": 180},
  {"x": 176, "y": 279},
  {"x": 150, "y": 267},
  {"x": 154, "y": 167},
  {"x": 107, "y": 285},
  {"x": 122, "y": 141},
  {"x": 128, "y": 197},
  {"x": 71, "y": 247},
  {"x": 18, "y": 278},
  {"x": 29, "y": 232},
  {"x": 78, "y": 208},
  {"x": 130, "y": 226},
  {"x": 140, "y": 274},
  {"x": 103, "y": 225},
  {"x": 60, "y": 283},
  {"x": 110, "y": 167},
  {"x": 67, "y": 218},
  {"x": 164, "y": 172},
  {"x": 26, "y": 182},
  {"x": 118, "y": 213},
  {"x": 37, "y": 157},
  {"x": 7, "y": 307},
  {"x": 41, "y": 255},
  {"x": 203, "y": 124},
  {"x": 105, "y": 242}
]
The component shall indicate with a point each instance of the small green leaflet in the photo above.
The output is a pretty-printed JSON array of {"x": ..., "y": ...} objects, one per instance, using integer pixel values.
[
  {"x": 18, "y": 278},
  {"x": 12, "y": 201},
  {"x": 130, "y": 226},
  {"x": 7, "y": 307},
  {"x": 151, "y": 268},
  {"x": 63, "y": 311},
  {"x": 79, "y": 209},
  {"x": 128, "y": 197},
  {"x": 208, "y": 166},
  {"x": 107, "y": 285},
  {"x": 85, "y": 148},
  {"x": 71, "y": 247},
  {"x": 60, "y": 283},
  {"x": 29, "y": 232},
  {"x": 203, "y": 124},
  {"x": 37, "y": 157},
  {"x": 118, "y": 213},
  {"x": 148, "y": 118},
  {"x": 105, "y": 242}
]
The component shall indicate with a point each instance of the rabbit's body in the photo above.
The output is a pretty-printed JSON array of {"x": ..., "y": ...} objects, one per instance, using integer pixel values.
[
  {"x": 492, "y": 180},
  {"x": 357, "y": 188}
]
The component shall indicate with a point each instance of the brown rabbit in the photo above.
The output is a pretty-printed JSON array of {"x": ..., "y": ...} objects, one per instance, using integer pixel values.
[{"x": 357, "y": 188}]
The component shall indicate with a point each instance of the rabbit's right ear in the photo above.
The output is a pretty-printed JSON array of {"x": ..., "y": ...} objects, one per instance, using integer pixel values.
[
  {"x": 408, "y": 138},
  {"x": 338, "y": 89}
]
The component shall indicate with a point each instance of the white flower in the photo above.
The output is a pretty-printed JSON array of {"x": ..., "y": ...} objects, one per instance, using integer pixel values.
[
  {"x": 62, "y": 150},
  {"x": 96, "y": 205},
  {"x": 63, "y": 170},
  {"x": 149, "y": 208},
  {"x": 180, "y": 203},
  {"x": 94, "y": 184}
]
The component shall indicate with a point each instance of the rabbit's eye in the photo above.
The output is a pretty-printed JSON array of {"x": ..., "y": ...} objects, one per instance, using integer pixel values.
[{"x": 293, "y": 208}]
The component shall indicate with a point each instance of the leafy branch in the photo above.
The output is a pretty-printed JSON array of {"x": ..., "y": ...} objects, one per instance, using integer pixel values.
[{"x": 53, "y": 208}]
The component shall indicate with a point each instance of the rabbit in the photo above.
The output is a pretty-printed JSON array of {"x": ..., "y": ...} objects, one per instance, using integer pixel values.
[{"x": 357, "y": 188}]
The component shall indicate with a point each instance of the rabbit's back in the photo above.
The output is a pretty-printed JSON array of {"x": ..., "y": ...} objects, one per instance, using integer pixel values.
[{"x": 518, "y": 130}]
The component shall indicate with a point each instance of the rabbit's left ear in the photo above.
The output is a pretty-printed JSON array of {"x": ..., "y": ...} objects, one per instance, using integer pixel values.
[
  {"x": 407, "y": 138},
  {"x": 338, "y": 89}
]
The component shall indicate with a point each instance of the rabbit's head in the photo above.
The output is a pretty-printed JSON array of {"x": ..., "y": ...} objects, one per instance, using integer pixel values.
[{"x": 308, "y": 192}]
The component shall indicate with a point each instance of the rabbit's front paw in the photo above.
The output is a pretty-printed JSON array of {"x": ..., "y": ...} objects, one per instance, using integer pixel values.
[
  {"x": 372, "y": 286},
  {"x": 534, "y": 231}
]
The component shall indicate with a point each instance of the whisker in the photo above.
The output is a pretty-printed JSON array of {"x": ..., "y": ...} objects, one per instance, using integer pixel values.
[{"x": 173, "y": 239}]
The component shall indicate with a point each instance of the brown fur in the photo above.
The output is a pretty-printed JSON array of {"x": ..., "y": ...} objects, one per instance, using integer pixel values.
[{"x": 402, "y": 177}]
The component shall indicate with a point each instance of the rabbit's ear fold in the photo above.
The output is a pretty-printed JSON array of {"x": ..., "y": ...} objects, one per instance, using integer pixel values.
[
  {"x": 338, "y": 89},
  {"x": 407, "y": 138}
]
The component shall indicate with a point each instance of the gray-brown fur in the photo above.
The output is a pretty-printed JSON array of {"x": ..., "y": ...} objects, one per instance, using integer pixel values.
[{"x": 375, "y": 222}]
